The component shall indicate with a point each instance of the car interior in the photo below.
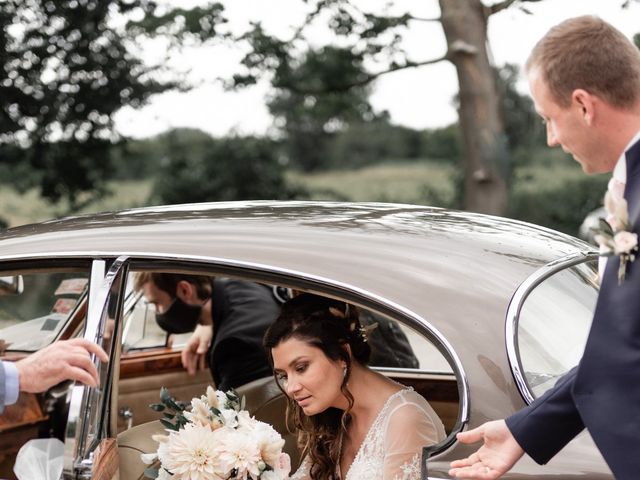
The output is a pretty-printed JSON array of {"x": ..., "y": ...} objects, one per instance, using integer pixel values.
[{"x": 52, "y": 305}]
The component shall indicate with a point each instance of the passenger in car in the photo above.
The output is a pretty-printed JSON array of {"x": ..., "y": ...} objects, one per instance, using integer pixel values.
[
  {"x": 228, "y": 318},
  {"x": 350, "y": 418}
]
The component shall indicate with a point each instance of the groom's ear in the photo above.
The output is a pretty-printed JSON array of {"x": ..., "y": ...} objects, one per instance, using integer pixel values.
[{"x": 584, "y": 101}]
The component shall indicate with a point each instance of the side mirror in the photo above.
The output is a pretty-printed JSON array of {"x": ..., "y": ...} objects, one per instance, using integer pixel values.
[{"x": 13, "y": 285}]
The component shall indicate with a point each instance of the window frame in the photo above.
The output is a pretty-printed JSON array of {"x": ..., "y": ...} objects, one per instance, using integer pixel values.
[{"x": 515, "y": 307}]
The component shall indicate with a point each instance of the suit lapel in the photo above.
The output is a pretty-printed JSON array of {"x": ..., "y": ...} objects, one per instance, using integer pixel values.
[{"x": 632, "y": 188}]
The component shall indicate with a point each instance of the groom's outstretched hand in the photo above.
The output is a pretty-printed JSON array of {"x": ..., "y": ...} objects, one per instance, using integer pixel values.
[{"x": 498, "y": 453}]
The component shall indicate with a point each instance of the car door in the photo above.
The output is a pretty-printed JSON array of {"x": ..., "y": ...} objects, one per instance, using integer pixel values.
[{"x": 41, "y": 301}]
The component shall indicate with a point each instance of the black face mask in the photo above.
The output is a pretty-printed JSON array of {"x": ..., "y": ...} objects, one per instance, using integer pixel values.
[{"x": 180, "y": 317}]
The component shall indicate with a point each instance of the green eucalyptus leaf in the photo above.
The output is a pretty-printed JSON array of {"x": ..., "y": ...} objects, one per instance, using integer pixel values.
[
  {"x": 152, "y": 472},
  {"x": 605, "y": 228},
  {"x": 169, "y": 425}
]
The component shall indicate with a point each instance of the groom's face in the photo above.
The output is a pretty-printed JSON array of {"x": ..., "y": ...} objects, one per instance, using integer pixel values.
[{"x": 571, "y": 127}]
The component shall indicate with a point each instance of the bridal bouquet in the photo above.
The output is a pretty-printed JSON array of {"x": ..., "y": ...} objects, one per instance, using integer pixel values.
[{"x": 215, "y": 439}]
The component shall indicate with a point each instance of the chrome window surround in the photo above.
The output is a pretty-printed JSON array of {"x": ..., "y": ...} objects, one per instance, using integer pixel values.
[
  {"x": 78, "y": 459},
  {"x": 264, "y": 272},
  {"x": 515, "y": 306}
]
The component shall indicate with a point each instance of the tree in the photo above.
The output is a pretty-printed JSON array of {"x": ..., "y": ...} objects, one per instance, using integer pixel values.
[
  {"x": 66, "y": 67},
  {"x": 225, "y": 169},
  {"x": 374, "y": 39},
  {"x": 523, "y": 127},
  {"x": 311, "y": 107}
]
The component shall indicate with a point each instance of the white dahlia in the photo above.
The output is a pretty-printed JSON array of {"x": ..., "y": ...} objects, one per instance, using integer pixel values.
[
  {"x": 269, "y": 442},
  {"x": 238, "y": 451},
  {"x": 191, "y": 454}
]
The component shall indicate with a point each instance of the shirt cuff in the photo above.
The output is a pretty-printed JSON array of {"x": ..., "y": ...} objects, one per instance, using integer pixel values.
[{"x": 11, "y": 383}]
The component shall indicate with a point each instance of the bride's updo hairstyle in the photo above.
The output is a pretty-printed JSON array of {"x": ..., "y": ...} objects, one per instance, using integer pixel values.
[{"x": 329, "y": 325}]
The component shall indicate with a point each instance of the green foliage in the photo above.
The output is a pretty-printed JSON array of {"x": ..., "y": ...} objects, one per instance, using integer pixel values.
[
  {"x": 367, "y": 143},
  {"x": 523, "y": 127},
  {"x": 67, "y": 67},
  {"x": 554, "y": 192},
  {"x": 172, "y": 411},
  {"x": 232, "y": 168},
  {"x": 443, "y": 144},
  {"x": 312, "y": 102}
]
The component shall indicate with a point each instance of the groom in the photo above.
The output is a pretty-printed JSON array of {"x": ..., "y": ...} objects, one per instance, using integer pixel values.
[{"x": 584, "y": 77}]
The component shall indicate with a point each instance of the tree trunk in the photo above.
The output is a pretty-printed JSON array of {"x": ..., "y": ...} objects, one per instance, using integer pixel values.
[{"x": 486, "y": 162}]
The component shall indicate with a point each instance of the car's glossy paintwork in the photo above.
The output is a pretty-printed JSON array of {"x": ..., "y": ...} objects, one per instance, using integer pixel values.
[{"x": 454, "y": 271}]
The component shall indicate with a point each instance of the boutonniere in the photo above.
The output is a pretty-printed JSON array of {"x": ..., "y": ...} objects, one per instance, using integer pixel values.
[{"x": 614, "y": 234}]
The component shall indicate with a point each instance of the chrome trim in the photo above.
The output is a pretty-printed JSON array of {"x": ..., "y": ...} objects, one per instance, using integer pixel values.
[
  {"x": 515, "y": 305},
  {"x": 78, "y": 460},
  {"x": 75, "y": 425},
  {"x": 413, "y": 318}
]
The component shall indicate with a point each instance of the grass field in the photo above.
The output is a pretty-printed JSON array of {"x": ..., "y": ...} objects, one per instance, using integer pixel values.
[
  {"x": 398, "y": 182},
  {"x": 541, "y": 191},
  {"x": 403, "y": 182},
  {"x": 18, "y": 209}
]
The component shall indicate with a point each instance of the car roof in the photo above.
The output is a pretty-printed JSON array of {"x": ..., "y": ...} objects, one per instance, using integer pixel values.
[
  {"x": 382, "y": 238},
  {"x": 410, "y": 255}
]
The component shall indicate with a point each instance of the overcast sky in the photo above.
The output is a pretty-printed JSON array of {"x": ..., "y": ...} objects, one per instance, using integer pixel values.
[{"x": 417, "y": 98}]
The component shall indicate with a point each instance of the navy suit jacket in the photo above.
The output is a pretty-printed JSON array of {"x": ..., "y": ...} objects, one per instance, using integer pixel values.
[
  {"x": 603, "y": 392},
  {"x": 2, "y": 387}
]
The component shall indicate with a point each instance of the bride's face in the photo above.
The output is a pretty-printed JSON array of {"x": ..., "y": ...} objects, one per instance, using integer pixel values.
[{"x": 309, "y": 376}]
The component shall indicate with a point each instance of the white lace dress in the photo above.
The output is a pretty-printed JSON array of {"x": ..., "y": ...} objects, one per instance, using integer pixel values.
[{"x": 392, "y": 448}]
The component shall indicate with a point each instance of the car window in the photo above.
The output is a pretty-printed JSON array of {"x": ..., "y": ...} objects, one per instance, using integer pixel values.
[
  {"x": 395, "y": 345},
  {"x": 553, "y": 325},
  {"x": 33, "y": 316},
  {"x": 402, "y": 350},
  {"x": 141, "y": 331}
]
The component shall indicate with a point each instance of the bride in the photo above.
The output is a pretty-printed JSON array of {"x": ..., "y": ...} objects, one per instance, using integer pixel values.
[{"x": 353, "y": 422}]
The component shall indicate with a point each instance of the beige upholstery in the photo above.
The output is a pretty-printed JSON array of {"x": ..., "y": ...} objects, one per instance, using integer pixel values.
[
  {"x": 264, "y": 400},
  {"x": 135, "y": 394},
  {"x": 131, "y": 444}
]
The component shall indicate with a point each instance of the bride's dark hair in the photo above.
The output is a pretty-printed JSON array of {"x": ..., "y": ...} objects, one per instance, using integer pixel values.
[{"x": 329, "y": 325}]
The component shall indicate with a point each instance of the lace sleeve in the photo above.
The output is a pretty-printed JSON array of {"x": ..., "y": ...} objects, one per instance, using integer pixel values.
[
  {"x": 412, "y": 424},
  {"x": 303, "y": 471}
]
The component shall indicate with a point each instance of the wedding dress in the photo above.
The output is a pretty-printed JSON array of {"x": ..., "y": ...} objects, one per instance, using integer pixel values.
[{"x": 392, "y": 448}]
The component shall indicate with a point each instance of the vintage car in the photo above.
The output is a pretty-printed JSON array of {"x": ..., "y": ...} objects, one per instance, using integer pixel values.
[{"x": 495, "y": 311}]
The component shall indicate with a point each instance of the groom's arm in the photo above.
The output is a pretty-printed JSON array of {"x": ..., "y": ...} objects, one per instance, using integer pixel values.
[{"x": 543, "y": 428}]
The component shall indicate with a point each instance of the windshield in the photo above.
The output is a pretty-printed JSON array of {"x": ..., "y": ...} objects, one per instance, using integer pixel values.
[
  {"x": 34, "y": 317},
  {"x": 554, "y": 323}
]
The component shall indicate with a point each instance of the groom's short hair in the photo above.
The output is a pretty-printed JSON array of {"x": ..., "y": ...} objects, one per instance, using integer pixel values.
[{"x": 588, "y": 53}]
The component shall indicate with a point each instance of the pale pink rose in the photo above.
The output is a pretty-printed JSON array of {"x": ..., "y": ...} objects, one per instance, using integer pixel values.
[
  {"x": 613, "y": 221},
  {"x": 625, "y": 242},
  {"x": 616, "y": 187},
  {"x": 617, "y": 212}
]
